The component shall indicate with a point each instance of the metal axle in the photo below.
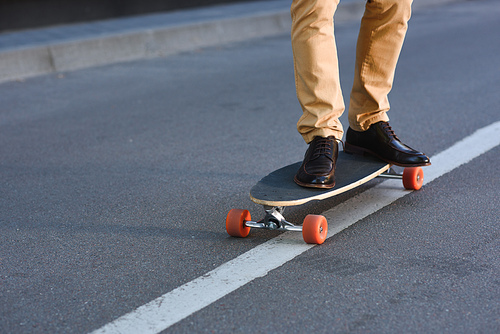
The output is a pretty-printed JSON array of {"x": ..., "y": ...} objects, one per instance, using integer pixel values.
[
  {"x": 391, "y": 174},
  {"x": 274, "y": 220}
]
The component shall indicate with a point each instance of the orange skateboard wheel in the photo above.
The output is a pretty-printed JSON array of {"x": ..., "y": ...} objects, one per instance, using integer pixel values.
[
  {"x": 235, "y": 223},
  {"x": 413, "y": 178},
  {"x": 314, "y": 229}
]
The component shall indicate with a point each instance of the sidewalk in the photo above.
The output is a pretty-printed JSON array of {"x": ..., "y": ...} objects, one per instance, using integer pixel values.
[{"x": 71, "y": 47}]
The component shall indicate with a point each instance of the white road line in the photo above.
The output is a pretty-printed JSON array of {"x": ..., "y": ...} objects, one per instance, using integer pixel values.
[{"x": 180, "y": 303}]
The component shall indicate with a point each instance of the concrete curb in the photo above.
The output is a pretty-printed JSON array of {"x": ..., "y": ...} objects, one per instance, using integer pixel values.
[
  {"x": 135, "y": 45},
  {"x": 160, "y": 41}
]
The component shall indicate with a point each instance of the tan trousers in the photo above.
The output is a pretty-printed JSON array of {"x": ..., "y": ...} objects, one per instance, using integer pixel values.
[{"x": 381, "y": 36}]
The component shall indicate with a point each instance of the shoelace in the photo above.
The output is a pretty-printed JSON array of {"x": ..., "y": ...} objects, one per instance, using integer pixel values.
[
  {"x": 324, "y": 147},
  {"x": 388, "y": 130}
]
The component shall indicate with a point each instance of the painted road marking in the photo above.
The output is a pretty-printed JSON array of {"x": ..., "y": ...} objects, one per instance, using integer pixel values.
[{"x": 180, "y": 303}]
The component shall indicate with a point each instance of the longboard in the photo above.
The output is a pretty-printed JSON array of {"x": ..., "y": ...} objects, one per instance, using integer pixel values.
[{"x": 278, "y": 190}]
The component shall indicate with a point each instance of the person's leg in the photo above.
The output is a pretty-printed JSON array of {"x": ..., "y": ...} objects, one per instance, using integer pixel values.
[
  {"x": 381, "y": 37},
  {"x": 316, "y": 68},
  {"x": 318, "y": 89},
  {"x": 382, "y": 32}
]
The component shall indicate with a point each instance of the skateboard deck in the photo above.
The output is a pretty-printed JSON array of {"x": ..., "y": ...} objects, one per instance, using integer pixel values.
[{"x": 279, "y": 189}]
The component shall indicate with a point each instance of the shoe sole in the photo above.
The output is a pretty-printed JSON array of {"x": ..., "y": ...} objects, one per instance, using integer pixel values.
[{"x": 316, "y": 186}]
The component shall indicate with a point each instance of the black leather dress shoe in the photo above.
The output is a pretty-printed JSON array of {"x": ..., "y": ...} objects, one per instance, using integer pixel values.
[
  {"x": 381, "y": 141},
  {"x": 318, "y": 167}
]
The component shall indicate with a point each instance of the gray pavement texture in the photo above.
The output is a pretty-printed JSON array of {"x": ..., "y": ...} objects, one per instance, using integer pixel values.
[
  {"x": 115, "y": 182},
  {"x": 70, "y": 47}
]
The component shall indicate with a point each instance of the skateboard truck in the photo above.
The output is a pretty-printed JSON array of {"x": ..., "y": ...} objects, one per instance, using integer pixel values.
[
  {"x": 274, "y": 220},
  {"x": 413, "y": 177},
  {"x": 391, "y": 174},
  {"x": 314, "y": 229}
]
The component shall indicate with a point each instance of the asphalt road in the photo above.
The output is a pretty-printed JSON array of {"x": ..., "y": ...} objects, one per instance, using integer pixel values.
[{"x": 115, "y": 182}]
